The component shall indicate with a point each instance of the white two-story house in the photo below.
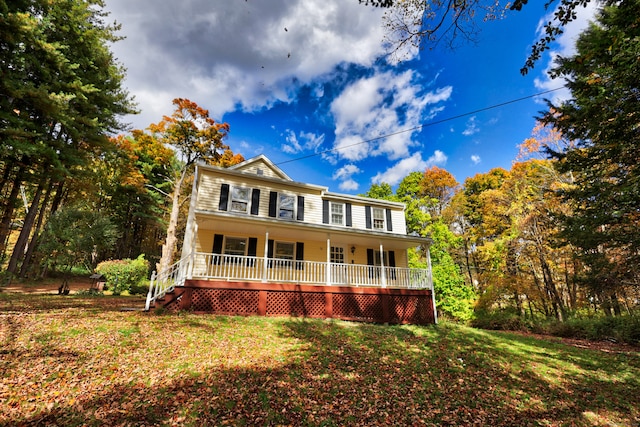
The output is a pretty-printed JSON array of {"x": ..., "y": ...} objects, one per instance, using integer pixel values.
[{"x": 258, "y": 242}]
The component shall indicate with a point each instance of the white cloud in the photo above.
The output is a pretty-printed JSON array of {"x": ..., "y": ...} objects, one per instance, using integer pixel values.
[
  {"x": 472, "y": 127},
  {"x": 345, "y": 175},
  {"x": 304, "y": 141},
  {"x": 232, "y": 55},
  {"x": 379, "y": 114},
  {"x": 404, "y": 167},
  {"x": 475, "y": 159},
  {"x": 346, "y": 171},
  {"x": 349, "y": 185}
]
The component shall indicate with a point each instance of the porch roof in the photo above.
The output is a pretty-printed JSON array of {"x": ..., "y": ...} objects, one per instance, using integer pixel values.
[{"x": 251, "y": 225}]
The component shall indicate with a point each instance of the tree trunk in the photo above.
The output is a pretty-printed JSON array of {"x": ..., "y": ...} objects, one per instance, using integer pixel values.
[
  {"x": 21, "y": 243},
  {"x": 35, "y": 239},
  {"x": 169, "y": 246},
  {"x": 556, "y": 301},
  {"x": 5, "y": 224}
]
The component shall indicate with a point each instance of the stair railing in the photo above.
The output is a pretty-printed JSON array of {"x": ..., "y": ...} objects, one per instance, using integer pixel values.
[{"x": 168, "y": 279}]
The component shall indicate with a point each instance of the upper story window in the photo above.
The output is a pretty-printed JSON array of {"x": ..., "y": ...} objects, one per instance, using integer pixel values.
[
  {"x": 286, "y": 206},
  {"x": 337, "y": 213},
  {"x": 378, "y": 218},
  {"x": 240, "y": 198}
]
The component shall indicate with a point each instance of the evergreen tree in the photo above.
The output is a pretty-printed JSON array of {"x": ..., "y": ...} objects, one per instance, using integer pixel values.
[{"x": 602, "y": 121}]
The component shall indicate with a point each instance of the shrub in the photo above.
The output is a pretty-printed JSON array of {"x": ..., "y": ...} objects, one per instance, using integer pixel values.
[
  {"x": 505, "y": 320},
  {"x": 125, "y": 275}
]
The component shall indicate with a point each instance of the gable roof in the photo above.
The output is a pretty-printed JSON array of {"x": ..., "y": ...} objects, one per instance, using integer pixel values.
[{"x": 258, "y": 164}]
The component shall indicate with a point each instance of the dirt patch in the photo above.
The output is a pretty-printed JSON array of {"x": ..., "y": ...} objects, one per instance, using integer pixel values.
[{"x": 47, "y": 286}]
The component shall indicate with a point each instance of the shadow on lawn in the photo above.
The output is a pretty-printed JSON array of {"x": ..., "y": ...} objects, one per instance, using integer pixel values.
[{"x": 344, "y": 373}]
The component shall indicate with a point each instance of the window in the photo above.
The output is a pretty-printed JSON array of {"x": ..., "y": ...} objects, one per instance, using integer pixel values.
[
  {"x": 376, "y": 258},
  {"x": 378, "y": 218},
  {"x": 284, "y": 250},
  {"x": 337, "y": 213},
  {"x": 337, "y": 255},
  {"x": 286, "y": 206},
  {"x": 235, "y": 246},
  {"x": 240, "y": 199}
]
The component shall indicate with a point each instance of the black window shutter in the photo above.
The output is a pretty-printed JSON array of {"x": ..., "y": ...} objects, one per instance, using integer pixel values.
[
  {"x": 270, "y": 248},
  {"x": 255, "y": 201},
  {"x": 299, "y": 255},
  {"x": 370, "y": 262},
  {"x": 253, "y": 246},
  {"x": 300, "y": 214},
  {"x": 325, "y": 212},
  {"x": 392, "y": 263},
  {"x": 217, "y": 243},
  {"x": 224, "y": 197},
  {"x": 348, "y": 221},
  {"x": 392, "y": 259},
  {"x": 389, "y": 226},
  {"x": 273, "y": 204},
  {"x": 217, "y": 248},
  {"x": 270, "y": 252},
  {"x": 367, "y": 216}
]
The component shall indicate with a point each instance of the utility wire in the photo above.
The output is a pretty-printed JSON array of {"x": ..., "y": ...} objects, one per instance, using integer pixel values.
[{"x": 437, "y": 122}]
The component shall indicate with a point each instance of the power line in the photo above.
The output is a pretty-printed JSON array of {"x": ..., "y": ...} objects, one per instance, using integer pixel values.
[{"x": 437, "y": 122}]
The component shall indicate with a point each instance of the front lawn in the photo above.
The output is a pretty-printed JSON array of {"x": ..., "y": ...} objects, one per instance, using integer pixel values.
[{"x": 82, "y": 361}]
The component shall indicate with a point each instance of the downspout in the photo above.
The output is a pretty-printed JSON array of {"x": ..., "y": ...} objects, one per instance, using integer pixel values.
[{"x": 433, "y": 289}]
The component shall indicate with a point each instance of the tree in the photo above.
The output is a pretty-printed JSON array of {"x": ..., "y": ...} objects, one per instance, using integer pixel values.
[
  {"x": 601, "y": 119},
  {"x": 416, "y": 24},
  {"x": 60, "y": 94},
  {"x": 75, "y": 236},
  {"x": 195, "y": 136},
  {"x": 438, "y": 186}
]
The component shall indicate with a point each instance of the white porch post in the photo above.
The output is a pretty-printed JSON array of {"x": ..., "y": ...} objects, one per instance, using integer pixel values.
[
  {"x": 265, "y": 260},
  {"x": 383, "y": 276},
  {"x": 328, "y": 268}
]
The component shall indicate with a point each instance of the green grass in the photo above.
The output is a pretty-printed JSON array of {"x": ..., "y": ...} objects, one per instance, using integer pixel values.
[{"x": 82, "y": 361}]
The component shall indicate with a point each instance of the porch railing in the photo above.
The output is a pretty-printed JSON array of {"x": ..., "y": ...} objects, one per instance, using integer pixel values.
[
  {"x": 201, "y": 265},
  {"x": 233, "y": 267}
]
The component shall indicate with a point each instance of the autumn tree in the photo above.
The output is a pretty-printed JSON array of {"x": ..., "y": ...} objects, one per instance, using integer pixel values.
[
  {"x": 195, "y": 136},
  {"x": 601, "y": 119}
]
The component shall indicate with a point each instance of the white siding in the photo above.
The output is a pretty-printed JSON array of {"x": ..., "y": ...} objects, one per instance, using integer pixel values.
[{"x": 211, "y": 183}]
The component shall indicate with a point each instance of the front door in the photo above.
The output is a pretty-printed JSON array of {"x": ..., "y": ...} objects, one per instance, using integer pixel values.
[{"x": 338, "y": 267}]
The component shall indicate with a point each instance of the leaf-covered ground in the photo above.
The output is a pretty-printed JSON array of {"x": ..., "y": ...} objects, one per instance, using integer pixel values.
[{"x": 83, "y": 361}]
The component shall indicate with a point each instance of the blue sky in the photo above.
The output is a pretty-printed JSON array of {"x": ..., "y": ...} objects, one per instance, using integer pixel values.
[{"x": 307, "y": 83}]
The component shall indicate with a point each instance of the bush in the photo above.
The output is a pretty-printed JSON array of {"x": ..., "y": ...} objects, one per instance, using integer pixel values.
[
  {"x": 620, "y": 329},
  {"x": 125, "y": 275},
  {"x": 504, "y": 320},
  {"x": 623, "y": 329}
]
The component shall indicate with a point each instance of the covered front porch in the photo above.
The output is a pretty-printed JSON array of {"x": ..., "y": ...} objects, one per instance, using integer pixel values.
[{"x": 234, "y": 268}]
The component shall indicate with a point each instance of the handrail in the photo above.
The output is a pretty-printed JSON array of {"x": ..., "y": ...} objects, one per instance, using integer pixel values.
[{"x": 167, "y": 280}]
